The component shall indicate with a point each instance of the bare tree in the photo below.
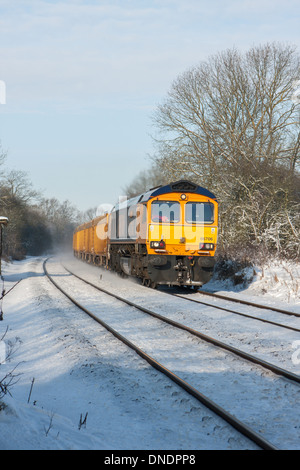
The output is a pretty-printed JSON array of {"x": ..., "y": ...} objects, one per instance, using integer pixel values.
[
  {"x": 18, "y": 186},
  {"x": 233, "y": 111},
  {"x": 231, "y": 124},
  {"x": 62, "y": 218},
  {"x": 145, "y": 180}
]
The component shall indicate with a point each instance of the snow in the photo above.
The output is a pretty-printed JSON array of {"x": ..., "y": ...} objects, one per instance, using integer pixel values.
[
  {"x": 276, "y": 283},
  {"x": 80, "y": 369}
]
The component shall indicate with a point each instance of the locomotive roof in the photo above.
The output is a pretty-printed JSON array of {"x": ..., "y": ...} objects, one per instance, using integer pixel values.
[{"x": 177, "y": 186}]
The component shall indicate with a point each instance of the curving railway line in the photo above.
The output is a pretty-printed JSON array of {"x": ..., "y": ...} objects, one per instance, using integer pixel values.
[{"x": 261, "y": 367}]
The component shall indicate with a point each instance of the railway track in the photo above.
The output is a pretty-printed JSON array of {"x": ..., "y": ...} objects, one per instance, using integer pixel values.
[
  {"x": 249, "y": 357},
  {"x": 246, "y": 302},
  {"x": 242, "y": 314},
  {"x": 241, "y": 427}
]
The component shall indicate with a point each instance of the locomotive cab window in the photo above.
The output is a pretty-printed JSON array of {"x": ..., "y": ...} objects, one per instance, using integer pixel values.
[
  {"x": 199, "y": 212},
  {"x": 165, "y": 211}
]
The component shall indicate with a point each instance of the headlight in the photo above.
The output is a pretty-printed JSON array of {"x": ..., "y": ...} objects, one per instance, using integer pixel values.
[
  {"x": 206, "y": 246},
  {"x": 158, "y": 244}
]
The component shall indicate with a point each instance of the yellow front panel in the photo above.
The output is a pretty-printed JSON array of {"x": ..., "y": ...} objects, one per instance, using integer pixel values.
[{"x": 182, "y": 238}]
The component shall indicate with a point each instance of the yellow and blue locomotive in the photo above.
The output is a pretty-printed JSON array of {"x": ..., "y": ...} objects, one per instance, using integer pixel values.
[{"x": 168, "y": 235}]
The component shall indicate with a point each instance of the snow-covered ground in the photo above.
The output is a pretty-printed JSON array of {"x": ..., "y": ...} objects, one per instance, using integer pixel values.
[
  {"x": 80, "y": 369},
  {"x": 277, "y": 282}
]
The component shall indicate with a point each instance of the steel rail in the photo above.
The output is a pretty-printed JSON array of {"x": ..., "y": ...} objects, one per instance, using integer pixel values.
[
  {"x": 273, "y": 368},
  {"x": 264, "y": 320},
  {"x": 232, "y": 420},
  {"x": 252, "y": 304}
]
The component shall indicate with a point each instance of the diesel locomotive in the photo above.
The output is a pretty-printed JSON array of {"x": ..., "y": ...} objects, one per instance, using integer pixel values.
[{"x": 168, "y": 235}]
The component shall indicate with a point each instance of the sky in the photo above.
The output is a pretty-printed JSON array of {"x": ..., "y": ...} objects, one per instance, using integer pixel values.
[{"x": 81, "y": 80}]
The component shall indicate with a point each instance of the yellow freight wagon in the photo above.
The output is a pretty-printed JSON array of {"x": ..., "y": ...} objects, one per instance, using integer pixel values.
[{"x": 90, "y": 240}]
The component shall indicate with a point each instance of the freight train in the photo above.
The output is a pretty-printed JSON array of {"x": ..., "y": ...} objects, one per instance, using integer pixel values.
[{"x": 165, "y": 236}]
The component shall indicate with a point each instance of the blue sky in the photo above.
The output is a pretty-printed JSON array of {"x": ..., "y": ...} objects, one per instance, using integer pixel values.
[{"x": 84, "y": 77}]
